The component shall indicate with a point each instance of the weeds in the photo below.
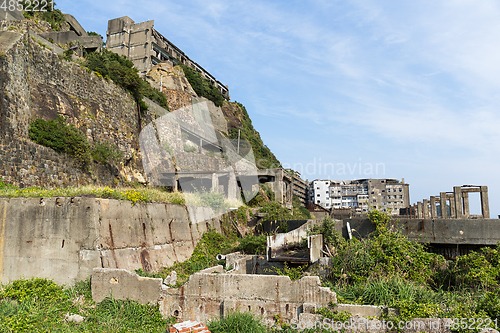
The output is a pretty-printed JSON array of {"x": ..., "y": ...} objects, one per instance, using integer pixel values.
[
  {"x": 134, "y": 195},
  {"x": 237, "y": 322},
  {"x": 40, "y": 305}
]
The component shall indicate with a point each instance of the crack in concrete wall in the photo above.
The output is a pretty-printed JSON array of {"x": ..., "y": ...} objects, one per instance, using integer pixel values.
[{"x": 65, "y": 238}]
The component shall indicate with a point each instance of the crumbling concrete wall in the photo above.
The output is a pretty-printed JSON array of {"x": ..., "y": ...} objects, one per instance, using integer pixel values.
[
  {"x": 206, "y": 296},
  {"x": 65, "y": 238},
  {"x": 123, "y": 284}
]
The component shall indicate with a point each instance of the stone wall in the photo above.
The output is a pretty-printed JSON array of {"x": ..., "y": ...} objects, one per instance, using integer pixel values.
[
  {"x": 37, "y": 84},
  {"x": 65, "y": 238}
]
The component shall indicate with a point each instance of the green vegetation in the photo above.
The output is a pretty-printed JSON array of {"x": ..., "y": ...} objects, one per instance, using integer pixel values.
[
  {"x": 66, "y": 138},
  {"x": 105, "y": 151},
  {"x": 40, "y": 305},
  {"x": 276, "y": 212},
  {"x": 121, "y": 71},
  {"x": 294, "y": 273},
  {"x": 388, "y": 269},
  {"x": 62, "y": 138},
  {"x": 54, "y": 17},
  {"x": 264, "y": 158},
  {"x": 237, "y": 322},
  {"x": 253, "y": 244},
  {"x": 334, "y": 315},
  {"x": 134, "y": 195},
  {"x": 203, "y": 87},
  {"x": 211, "y": 244}
]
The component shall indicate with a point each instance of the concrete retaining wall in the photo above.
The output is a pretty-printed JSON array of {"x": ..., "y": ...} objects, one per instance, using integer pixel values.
[
  {"x": 436, "y": 231},
  {"x": 65, "y": 238},
  {"x": 207, "y": 296}
]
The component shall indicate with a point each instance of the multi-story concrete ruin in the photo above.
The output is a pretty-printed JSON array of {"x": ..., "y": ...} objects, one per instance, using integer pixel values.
[
  {"x": 385, "y": 194},
  {"x": 146, "y": 47},
  {"x": 450, "y": 204}
]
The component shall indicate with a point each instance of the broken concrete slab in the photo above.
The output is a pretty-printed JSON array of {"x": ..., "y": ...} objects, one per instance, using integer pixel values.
[{"x": 123, "y": 284}]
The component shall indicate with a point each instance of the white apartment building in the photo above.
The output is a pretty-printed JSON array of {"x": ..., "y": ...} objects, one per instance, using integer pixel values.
[{"x": 319, "y": 193}]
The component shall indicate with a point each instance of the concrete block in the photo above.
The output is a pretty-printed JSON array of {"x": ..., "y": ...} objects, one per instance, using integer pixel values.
[
  {"x": 315, "y": 244},
  {"x": 361, "y": 310},
  {"x": 75, "y": 25},
  {"x": 123, "y": 284}
]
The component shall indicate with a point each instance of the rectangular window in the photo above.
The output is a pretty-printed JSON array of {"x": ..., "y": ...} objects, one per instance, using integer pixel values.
[{"x": 400, "y": 197}]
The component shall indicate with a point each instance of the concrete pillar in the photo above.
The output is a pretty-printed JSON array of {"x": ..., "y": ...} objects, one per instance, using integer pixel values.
[
  {"x": 232, "y": 186},
  {"x": 175, "y": 183},
  {"x": 215, "y": 183},
  {"x": 485, "y": 205},
  {"x": 442, "y": 202},
  {"x": 457, "y": 195},
  {"x": 451, "y": 198},
  {"x": 433, "y": 208},
  {"x": 279, "y": 187},
  {"x": 426, "y": 208},
  {"x": 465, "y": 204},
  {"x": 420, "y": 212}
]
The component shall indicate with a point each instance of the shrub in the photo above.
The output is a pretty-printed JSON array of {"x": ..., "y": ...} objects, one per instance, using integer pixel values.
[
  {"x": 54, "y": 16},
  {"x": 294, "y": 273},
  {"x": 251, "y": 244},
  {"x": 202, "y": 86},
  {"x": 386, "y": 254},
  {"x": 122, "y": 72},
  {"x": 475, "y": 271},
  {"x": 62, "y": 138},
  {"x": 105, "y": 151},
  {"x": 331, "y": 237},
  {"x": 276, "y": 212},
  {"x": 213, "y": 199}
]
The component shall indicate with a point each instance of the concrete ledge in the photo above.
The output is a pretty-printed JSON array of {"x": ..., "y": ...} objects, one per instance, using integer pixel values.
[
  {"x": 122, "y": 284},
  {"x": 8, "y": 39}
]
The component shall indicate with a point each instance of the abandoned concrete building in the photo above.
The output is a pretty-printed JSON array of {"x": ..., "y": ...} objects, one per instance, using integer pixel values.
[
  {"x": 300, "y": 186},
  {"x": 146, "y": 47},
  {"x": 75, "y": 34},
  {"x": 454, "y": 205},
  {"x": 386, "y": 194}
]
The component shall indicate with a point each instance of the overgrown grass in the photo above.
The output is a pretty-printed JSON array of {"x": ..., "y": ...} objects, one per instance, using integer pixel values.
[
  {"x": 144, "y": 194},
  {"x": 237, "y": 322},
  {"x": 388, "y": 269},
  {"x": 204, "y": 256},
  {"x": 40, "y": 305}
]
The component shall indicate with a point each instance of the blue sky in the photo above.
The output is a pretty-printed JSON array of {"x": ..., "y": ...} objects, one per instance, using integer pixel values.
[{"x": 412, "y": 87}]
